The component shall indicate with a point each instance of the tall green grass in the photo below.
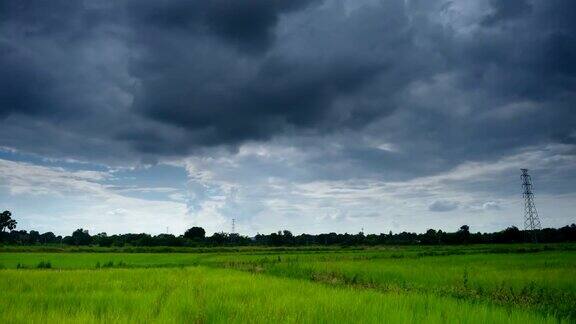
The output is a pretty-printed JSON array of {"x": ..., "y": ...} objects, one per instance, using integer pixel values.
[
  {"x": 91, "y": 260},
  {"x": 530, "y": 278},
  {"x": 204, "y": 295},
  {"x": 542, "y": 281}
]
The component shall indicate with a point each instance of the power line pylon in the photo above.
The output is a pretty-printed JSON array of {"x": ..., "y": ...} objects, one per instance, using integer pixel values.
[
  {"x": 233, "y": 226},
  {"x": 531, "y": 219}
]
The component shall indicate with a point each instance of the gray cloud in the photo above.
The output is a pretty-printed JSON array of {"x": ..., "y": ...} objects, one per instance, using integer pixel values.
[
  {"x": 503, "y": 10},
  {"x": 440, "y": 82},
  {"x": 247, "y": 25},
  {"x": 442, "y": 206}
]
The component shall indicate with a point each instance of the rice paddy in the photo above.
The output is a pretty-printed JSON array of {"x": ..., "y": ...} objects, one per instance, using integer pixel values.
[{"x": 399, "y": 285}]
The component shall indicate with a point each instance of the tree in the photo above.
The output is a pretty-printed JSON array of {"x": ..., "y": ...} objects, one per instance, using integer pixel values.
[
  {"x": 511, "y": 235},
  {"x": 220, "y": 238},
  {"x": 463, "y": 234},
  {"x": 33, "y": 237},
  {"x": 430, "y": 237},
  {"x": 48, "y": 237},
  {"x": 102, "y": 239},
  {"x": 6, "y": 221},
  {"x": 80, "y": 237},
  {"x": 195, "y": 233},
  {"x": 287, "y": 237}
]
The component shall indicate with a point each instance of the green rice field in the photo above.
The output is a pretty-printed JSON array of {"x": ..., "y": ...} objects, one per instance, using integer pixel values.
[{"x": 465, "y": 284}]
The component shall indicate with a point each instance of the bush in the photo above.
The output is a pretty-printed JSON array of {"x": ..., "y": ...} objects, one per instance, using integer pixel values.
[{"x": 44, "y": 265}]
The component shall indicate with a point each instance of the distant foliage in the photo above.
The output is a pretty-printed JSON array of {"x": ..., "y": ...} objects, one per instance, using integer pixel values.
[{"x": 196, "y": 237}]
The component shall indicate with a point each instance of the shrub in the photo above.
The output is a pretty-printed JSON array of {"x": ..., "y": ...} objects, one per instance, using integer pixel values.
[{"x": 44, "y": 265}]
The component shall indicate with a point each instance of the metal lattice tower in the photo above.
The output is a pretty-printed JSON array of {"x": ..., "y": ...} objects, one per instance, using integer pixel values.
[
  {"x": 531, "y": 220},
  {"x": 233, "y": 226}
]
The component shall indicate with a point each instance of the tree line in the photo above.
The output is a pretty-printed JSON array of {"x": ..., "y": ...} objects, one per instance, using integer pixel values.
[{"x": 196, "y": 236}]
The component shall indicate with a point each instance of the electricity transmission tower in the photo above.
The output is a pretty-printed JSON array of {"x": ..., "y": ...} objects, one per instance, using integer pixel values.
[
  {"x": 233, "y": 225},
  {"x": 531, "y": 220}
]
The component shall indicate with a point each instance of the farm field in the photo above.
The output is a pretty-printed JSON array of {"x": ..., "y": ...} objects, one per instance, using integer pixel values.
[{"x": 475, "y": 284}]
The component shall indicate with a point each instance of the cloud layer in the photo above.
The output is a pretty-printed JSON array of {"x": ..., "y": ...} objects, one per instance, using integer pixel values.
[
  {"x": 294, "y": 93},
  {"x": 149, "y": 79}
]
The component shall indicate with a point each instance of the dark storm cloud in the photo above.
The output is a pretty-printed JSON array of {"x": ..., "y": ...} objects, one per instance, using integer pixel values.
[
  {"x": 249, "y": 25},
  {"x": 444, "y": 82},
  {"x": 25, "y": 87},
  {"x": 224, "y": 96},
  {"x": 279, "y": 94},
  {"x": 507, "y": 9}
]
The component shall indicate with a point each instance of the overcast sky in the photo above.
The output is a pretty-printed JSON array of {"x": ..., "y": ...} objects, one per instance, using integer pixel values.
[{"x": 308, "y": 115}]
